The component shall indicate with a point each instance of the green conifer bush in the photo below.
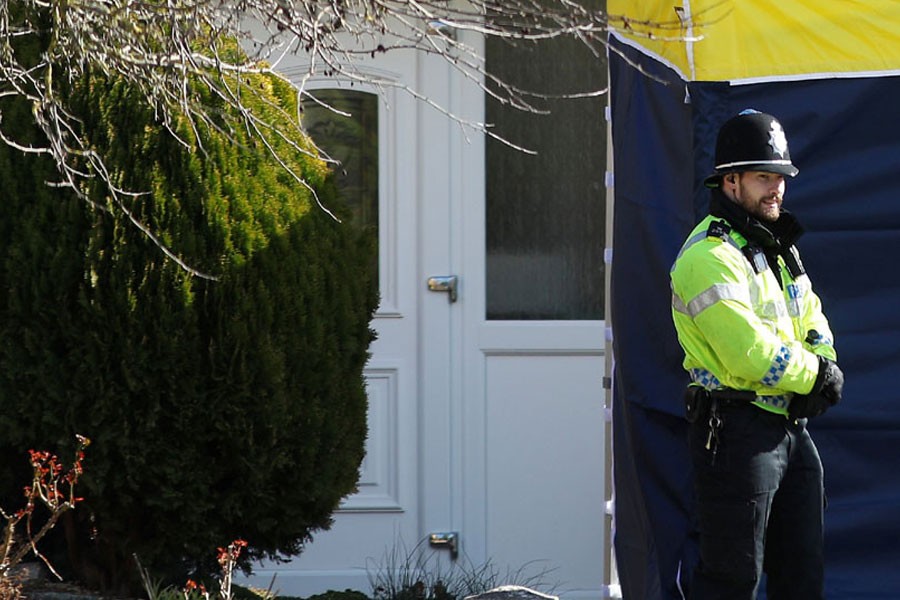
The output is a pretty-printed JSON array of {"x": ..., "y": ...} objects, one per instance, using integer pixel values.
[{"x": 218, "y": 409}]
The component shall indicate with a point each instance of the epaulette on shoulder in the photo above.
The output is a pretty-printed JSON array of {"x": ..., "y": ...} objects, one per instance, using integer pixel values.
[{"x": 718, "y": 229}]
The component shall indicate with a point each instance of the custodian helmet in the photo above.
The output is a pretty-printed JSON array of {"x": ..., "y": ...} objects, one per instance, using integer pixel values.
[{"x": 751, "y": 141}]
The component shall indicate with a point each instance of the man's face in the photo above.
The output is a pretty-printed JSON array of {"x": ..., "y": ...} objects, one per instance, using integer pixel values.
[{"x": 758, "y": 192}]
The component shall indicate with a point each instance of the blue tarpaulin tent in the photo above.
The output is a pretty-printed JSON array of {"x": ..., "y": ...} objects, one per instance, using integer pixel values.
[{"x": 830, "y": 71}]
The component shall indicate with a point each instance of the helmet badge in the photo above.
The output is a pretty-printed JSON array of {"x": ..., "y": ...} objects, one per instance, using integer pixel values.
[{"x": 777, "y": 139}]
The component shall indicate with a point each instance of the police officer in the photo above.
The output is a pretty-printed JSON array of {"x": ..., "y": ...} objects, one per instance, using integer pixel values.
[{"x": 761, "y": 358}]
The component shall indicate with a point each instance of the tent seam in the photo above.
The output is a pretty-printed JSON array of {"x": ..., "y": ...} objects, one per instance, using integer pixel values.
[
  {"x": 689, "y": 43},
  {"x": 813, "y": 76}
]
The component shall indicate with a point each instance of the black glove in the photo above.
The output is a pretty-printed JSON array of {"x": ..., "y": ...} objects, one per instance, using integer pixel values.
[{"x": 826, "y": 392}]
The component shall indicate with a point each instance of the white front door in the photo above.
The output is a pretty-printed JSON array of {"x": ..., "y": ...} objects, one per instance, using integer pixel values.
[
  {"x": 395, "y": 151},
  {"x": 484, "y": 427}
]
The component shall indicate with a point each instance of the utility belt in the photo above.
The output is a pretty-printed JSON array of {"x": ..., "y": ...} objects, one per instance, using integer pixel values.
[
  {"x": 699, "y": 402},
  {"x": 705, "y": 406}
]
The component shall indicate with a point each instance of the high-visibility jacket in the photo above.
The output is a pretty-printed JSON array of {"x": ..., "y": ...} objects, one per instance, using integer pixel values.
[{"x": 738, "y": 327}]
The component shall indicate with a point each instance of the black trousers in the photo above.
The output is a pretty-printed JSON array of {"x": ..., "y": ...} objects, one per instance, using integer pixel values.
[{"x": 760, "y": 502}]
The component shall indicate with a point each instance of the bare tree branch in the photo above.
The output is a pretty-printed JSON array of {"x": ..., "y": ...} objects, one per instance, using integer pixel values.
[{"x": 180, "y": 53}]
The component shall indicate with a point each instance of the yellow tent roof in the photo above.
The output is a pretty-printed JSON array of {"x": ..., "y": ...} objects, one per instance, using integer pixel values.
[{"x": 731, "y": 40}]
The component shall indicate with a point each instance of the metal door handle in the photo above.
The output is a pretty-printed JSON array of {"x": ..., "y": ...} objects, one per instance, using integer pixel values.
[
  {"x": 445, "y": 539},
  {"x": 444, "y": 283}
]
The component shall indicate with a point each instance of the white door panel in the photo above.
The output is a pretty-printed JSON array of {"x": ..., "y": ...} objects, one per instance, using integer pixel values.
[{"x": 544, "y": 435}]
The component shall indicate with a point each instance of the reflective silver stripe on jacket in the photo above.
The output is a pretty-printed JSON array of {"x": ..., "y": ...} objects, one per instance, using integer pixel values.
[
  {"x": 710, "y": 296},
  {"x": 773, "y": 310},
  {"x": 715, "y": 293}
]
